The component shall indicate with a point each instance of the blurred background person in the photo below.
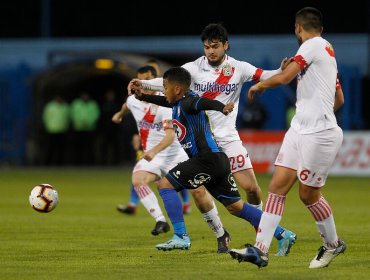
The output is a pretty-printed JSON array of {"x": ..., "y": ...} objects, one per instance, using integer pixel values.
[
  {"x": 85, "y": 113},
  {"x": 55, "y": 118},
  {"x": 109, "y": 141}
]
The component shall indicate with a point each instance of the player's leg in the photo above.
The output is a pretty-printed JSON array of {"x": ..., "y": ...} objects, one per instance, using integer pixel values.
[
  {"x": 318, "y": 152},
  {"x": 269, "y": 221},
  {"x": 131, "y": 208},
  {"x": 283, "y": 179},
  {"x": 241, "y": 168},
  {"x": 207, "y": 207},
  {"x": 173, "y": 206},
  {"x": 144, "y": 173}
]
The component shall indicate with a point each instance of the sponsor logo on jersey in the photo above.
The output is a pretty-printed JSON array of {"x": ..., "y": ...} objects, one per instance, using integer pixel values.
[
  {"x": 143, "y": 124},
  {"x": 215, "y": 87},
  {"x": 180, "y": 130}
]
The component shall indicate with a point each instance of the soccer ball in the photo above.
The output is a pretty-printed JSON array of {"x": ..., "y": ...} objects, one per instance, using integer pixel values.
[{"x": 44, "y": 198}]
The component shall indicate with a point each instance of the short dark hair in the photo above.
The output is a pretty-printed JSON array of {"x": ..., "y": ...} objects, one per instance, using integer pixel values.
[
  {"x": 147, "y": 68},
  {"x": 310, "y": 18},
  {"x": 214, "y": 32},
  {"x": 179, "y": 75}
]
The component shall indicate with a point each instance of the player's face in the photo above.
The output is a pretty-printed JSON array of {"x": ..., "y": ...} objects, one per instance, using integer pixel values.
[
  {"x": 146, "y": 76},
  {"x": 169, "y": 91},
  {"x": 215, "y": 51}
]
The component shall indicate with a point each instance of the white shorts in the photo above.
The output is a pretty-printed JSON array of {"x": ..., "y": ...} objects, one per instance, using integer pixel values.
[
  {"x": 159, "y": 165},
  {"x": 312, "y": 155},
  {"x": 237, "y": 154}
]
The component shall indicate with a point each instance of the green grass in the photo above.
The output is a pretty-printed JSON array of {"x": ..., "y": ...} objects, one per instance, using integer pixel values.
[{"x": 86, "y": 238}]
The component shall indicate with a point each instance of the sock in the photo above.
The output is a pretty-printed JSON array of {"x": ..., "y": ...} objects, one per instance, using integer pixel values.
[
  {"x": 251, "y": 214},
  {"x": 259, "y": 206},
  {"x": 324, "y": 218},
  {"x": 270, "y": 220},
  {"x": 185, "y": 196},
  {"x": 150, "y": 202},
  {"x": 134, "y": 198},
  {"x": 214, "y": 222},
  {"x": 172, "y": 204}
]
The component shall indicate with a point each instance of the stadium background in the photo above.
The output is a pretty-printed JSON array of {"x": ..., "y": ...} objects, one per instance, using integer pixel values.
[{"x": 51, "y": 47}]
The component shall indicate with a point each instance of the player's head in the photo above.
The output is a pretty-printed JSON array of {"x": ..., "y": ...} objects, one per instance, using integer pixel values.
[
  {"x": 176, "y": 82},
  {"x": 308, "y": 20},
  {"x": 215, "y": 43},
  {"x": 146, "y": 72}
]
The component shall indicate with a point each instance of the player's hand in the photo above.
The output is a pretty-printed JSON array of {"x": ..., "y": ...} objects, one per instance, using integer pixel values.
[
  {"x": 285, "y": 62},
  {"x": 253, "y": 90},
  {"x": 133, "y": 85},
  {"x": 229, "y": 107},
  {"x": 117, "y": 118},
  {"x": 149, "y": 155}
]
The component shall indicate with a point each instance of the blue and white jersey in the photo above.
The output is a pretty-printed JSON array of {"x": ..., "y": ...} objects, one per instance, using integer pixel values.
[{"x": 192, "y": 126}]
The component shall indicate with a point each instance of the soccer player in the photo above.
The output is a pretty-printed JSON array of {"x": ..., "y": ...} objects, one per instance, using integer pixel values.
[
  {"x": 218, "y": 76},
  {"x": 207, "y": 166},
  {"x": 158, "y": 160},
  {"x": 310, "y": 145}
]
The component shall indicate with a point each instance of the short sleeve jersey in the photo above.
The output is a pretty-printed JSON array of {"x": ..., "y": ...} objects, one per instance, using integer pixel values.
[
  {"x": 316, "y": 86},
  {"x": 223, "y": 83},
  {"x": 150, "y": 120}
]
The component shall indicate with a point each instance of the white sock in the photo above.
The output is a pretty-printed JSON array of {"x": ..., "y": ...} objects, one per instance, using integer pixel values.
[
  {"x": 258, "y": 206},
  {"x": 269, "y": 221},
  {"x": 214, "y": 222},
  {"x": 150, "y": 202},
  {"x": 266, "y": 230},
  {"x": 322, "y": 213}
]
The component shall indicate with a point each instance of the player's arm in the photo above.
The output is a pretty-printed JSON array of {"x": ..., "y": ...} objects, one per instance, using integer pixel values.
[
  {"x": 339, "y": 96},
  {"x": 155, "y": 99},
  {"x": 201, "y": 104},
  {"x": 155, "y": 84},
  {"x": 117, "y": 117},
  {"x": 166, "y": 141},
  {"x": 282, "y": 78}
]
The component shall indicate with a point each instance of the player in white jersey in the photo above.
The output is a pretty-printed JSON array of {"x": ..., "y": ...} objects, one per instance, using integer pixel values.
[
  {"x": 219, "y": 76},
  {"x": 157, "y": 162},
  {"x": 160, "y": 151},
  {"x": 309, "y": 146}
]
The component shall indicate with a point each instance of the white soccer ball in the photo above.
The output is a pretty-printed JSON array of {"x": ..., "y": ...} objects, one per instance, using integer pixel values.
[{"x": 44, "y": 198}]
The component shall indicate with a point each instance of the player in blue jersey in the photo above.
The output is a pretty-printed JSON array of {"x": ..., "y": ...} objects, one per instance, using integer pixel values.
[{"x": 207, "y": 165}]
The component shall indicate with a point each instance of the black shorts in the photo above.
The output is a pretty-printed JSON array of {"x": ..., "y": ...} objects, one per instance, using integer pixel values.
[{"x": 211, "y": 170}]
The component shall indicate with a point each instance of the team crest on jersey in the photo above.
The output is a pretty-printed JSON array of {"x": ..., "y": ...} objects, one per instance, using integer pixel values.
[
  {"x": 179, "y": 129},
  {"x": 227, "y": 70}
]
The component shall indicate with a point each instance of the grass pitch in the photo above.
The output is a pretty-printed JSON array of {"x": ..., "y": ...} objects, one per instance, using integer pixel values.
[{"x": 86, "y": 238}]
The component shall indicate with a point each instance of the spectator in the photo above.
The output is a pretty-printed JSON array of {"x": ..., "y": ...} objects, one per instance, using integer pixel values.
[
  {"x": 55, "y": 117},
  {"x": 85, "y": 114}
]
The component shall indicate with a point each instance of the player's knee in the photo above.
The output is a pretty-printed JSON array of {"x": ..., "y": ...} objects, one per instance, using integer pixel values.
[{"x": 234, "y": 207}]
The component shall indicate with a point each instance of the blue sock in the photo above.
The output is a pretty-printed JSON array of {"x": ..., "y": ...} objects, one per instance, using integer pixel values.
[
  {"x": 251, "y": 214},
  {"x": 134, "y": 198},
  {"x": 185, "y": 196},
  {"x": 278, "y": 232},
  {"x": 172, "y": 204}
]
